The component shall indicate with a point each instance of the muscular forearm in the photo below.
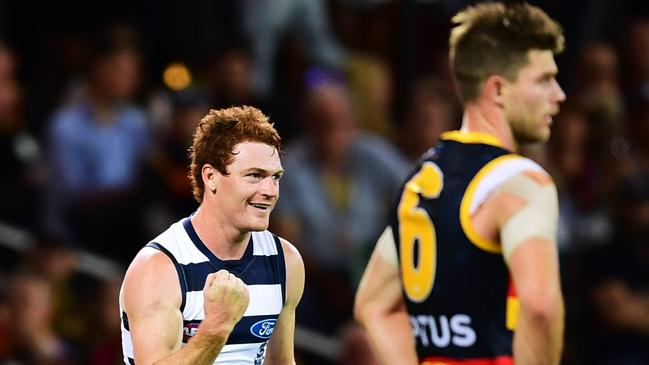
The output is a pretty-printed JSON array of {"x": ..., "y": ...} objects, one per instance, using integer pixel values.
[
  {"x": 202, "y": 349},
  {"x": 538, "y": 338},
  {"x": 391, "y": 338},
  {"x": 279, "y": 362}
]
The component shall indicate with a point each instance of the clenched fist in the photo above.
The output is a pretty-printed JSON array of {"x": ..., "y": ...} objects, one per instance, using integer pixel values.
[{"x": 225, "y": 299}]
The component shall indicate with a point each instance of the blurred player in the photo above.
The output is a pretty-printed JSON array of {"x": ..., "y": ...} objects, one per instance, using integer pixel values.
[{"x": 466, "y": 271}]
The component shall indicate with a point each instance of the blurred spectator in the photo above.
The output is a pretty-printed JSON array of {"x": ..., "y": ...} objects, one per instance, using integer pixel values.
[
  {"x": 49, "y": 83},
  {"x": 430, "y": 110},
  {"x": 19, "y": 152},
  {"x": 638, "y": 131},
  {"x": 584, "y": 211},
  {"x": 267, "y": 21},
  {"x": 228, "y": 77},
  {"x": 599, "y": 93},
  {"x": 620, "y": 282},
  {"x": 57, "y": 265},
  {"x": 636, "y": 58},
  {"x": 99, "y": 142},
  {"x": 169, "y": 192},
  {"x": 104, "y": 340},
  {"x": 370, "y": 90},
  {"x": 335, "y": 192},
  {"x": 31, "y": 313},
  {"x": 596, "y": 78},
  {"x": 583, "y": 215}
]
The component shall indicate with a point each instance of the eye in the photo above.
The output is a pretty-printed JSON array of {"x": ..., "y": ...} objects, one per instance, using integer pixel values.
[
  {"x": 277, "y": 177},
  {"x": 547, "y": 79},
  {"x": 255, "y": 176}
]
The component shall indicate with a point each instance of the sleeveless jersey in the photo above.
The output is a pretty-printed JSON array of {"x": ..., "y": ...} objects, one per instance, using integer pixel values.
[
  {"x": 456, "y": 285},
  {"x": 262, "y": 269}
]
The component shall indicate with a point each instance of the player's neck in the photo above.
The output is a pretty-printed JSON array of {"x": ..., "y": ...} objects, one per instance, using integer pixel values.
[
  {"x": 225, "y": 242},
  {"x": 490, "y": 120}
]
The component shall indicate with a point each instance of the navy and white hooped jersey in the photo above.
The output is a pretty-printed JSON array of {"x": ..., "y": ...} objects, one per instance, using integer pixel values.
[{"x": 262, "y": 269}]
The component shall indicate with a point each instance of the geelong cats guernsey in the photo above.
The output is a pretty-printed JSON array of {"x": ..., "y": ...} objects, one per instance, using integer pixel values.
[
  {"x": 456, "y": 285},
  {"x": 261, "y": 268}
]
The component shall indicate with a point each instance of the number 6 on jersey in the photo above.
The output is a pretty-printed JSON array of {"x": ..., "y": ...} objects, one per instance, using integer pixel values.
[{"x": 415, "y": 225}]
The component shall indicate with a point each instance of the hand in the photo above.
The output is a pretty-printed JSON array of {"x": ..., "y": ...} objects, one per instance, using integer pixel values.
[{"x": 225, "y": 300}]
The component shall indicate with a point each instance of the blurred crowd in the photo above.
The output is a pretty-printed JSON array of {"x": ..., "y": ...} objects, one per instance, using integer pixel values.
[{"x": 98, "y": 103}]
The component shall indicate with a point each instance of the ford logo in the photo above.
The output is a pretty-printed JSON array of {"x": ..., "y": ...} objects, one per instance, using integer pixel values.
[{"x": 263, "y": 329}]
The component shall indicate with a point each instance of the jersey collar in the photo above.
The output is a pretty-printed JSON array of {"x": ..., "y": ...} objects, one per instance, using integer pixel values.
[{"x": 472, "y": 137}]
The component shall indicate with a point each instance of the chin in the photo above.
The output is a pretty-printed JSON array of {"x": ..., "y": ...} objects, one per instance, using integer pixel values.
[
  {"x": 532, "y": 138},
  {"x": 259, "y": 226},
  {"x": 543, "y": 136}
]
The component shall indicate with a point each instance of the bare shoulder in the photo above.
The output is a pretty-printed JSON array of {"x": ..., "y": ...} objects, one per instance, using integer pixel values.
[
  {"x": 526, "y": 182},
  {"x": 294, "y": 272},
  {"x": 520, "y": 191},
  {"x": 151, "y": 277},
  {"x": 292, "y": 255},
  {"x": 148, "y": 261}
]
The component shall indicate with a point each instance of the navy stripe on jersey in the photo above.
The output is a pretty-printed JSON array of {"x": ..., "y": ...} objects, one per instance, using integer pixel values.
[
  {"x": 241, "y": 337},
  {"x": 131, "y": 361},
  {"x": 281, "y": 266},
  {"x": 234, "y": 266},
  {"x": 195, "y": 274},
  {"x": 125, "y": 321},
  {"x": 181, "y": 274},
  {"x": 262, "y": 267}
]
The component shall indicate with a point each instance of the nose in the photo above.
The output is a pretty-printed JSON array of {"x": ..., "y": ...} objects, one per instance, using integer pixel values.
[
  {"x": 269, "y": 187},
  {"x": 559, "y": 95}
]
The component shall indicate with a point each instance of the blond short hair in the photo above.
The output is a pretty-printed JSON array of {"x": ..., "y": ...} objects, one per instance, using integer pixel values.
[{"x": 494, "y": 39}]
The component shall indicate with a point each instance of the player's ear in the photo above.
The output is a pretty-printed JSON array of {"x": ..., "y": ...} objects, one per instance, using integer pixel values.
[
  {"x": 211, "y": 177},
  {"x": 492, "y": 89}
]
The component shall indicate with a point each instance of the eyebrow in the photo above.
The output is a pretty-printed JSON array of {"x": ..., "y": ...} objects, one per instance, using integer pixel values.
[
  {"x": 264, "y": 171},
  {"x": 548, "y": 75}
]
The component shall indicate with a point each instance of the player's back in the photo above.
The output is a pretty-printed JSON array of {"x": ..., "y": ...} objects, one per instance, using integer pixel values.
[{"x": 456, "y": 284}]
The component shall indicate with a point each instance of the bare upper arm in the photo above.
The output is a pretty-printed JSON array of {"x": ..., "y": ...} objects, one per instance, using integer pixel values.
[
  {"x": 294, "y": 274},
  {"x": 529, "y": 210},
  {"x": 521, "y": 215},
  {"x": 527, "y": 222},
  {"x": 280, "y": 347},
  {"x": 151, "y": 297}
]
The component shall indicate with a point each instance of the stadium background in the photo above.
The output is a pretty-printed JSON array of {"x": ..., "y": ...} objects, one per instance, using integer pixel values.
[{"x": 64, "y": 244}]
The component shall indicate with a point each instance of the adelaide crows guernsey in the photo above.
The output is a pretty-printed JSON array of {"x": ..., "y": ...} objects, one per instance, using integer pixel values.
[
  {"x": 262, "y": 269},
  {"x": 456, "y": 285}
]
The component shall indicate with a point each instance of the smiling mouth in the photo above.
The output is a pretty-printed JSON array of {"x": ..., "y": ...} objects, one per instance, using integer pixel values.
[{"x": 263, "y": 207}]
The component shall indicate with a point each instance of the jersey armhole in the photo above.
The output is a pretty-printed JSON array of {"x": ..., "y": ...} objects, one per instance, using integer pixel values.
[
  {"x": 181, "y": 274},
  {"x": 482, "y": 185}
]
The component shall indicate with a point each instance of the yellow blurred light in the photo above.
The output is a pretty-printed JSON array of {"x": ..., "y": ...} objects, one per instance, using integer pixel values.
[{"x": 177, "y": 76}]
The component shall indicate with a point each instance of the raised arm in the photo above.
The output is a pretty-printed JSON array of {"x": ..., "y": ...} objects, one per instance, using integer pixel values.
[
  {"x": 527, "y": 222},
  {"x": 280, "y": 345},
  {"x": 380, "y": 309},
  {"x": 151, "y": 298}
]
